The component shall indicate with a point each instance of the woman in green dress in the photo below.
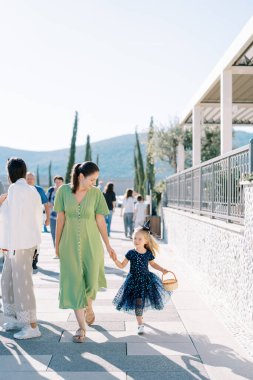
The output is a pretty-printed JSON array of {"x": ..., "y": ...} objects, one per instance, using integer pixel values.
[{"x": 81, "y": 208}]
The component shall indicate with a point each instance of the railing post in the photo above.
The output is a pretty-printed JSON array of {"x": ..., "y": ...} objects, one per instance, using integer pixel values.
[
  {"x": 212, "y": 190},
  {"x": 251, "y": 156},
  {"x": 192, "y": 187},
  {"x": 184, "y": 189},
  {"x": 178, "y": 193},
  {"x": 228, "y": 188},
  {"x": 200, "y": 188}
]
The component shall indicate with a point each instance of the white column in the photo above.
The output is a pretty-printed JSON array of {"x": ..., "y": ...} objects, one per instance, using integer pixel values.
[
  {"x": 180, "y": 157},
  {"x": 196, "y": 135},
  {"x": 226, "y": 128}
]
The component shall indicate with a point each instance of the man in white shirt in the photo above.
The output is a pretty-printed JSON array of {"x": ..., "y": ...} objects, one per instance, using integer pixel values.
[{"x": 20, "y": 233}]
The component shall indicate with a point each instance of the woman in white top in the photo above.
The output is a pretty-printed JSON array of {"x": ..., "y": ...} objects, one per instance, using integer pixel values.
[
  {"x": 20, "y": 233},
  {"x": 128, "y": 212}
]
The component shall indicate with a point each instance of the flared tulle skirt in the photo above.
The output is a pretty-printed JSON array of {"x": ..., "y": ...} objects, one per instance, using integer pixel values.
[{"x": 141, "y": 293}]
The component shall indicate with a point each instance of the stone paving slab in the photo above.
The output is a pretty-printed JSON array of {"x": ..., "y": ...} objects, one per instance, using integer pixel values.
[
  {"x": 53, "y": 335},
  {"x": 202, "y": 322},
  {"x": 111, "y": 363},
  {"x": 23, "y": 363},
  {"x": 64, "y": 375},
  {"x": 221, "y": 373},
  {"x": 53, "y": 317},
  {"x": 217, "y": 345},
  {"x": 35, "y": 347},
  {"x": 165, "y": 349},
  {"x": 165, "y": 375},
  {"x": 127, "y": 336},
  {"x": 102, "y": 326},
  {"x": 186, "y": 300},
  {"x": 168, "y": 313},
  {"x": 120, "y": 316},
  {"x": 159, "y": 328}
]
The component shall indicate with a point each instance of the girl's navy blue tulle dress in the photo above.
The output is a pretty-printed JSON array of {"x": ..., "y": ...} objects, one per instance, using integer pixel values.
[{"x": 142, "y": 289}]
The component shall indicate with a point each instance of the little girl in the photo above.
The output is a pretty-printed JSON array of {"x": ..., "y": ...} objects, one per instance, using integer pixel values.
[{"x": 142, "y": 290}]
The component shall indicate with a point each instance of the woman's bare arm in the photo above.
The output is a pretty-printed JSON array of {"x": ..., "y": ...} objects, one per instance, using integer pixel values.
[
  {"x": 59, "y": 227},
  {"x": 100, "y": 220}
]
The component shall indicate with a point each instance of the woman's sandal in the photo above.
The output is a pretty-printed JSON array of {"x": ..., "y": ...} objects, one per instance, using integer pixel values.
[
  {"x": 79, "y": 336},
  {"x": 89, "y": 316}
]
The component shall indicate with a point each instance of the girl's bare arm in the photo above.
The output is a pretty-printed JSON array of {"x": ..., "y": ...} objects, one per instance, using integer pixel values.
[
  {"x": 158, "y": 267},
  {"x": 121, "y": 264}
]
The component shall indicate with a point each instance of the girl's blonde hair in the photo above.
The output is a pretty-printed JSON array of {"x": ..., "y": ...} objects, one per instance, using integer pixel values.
[{"x": 151, "y": 244}]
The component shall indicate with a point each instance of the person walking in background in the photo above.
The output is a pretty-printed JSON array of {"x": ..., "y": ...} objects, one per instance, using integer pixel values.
[
  {"x": 127, "y": 210},
  {"x": 51, "y": 192},
  {"x": 140, "y": 212},
  {"x": 30, "y": 179},
  {"x": 20, "y": 234},
  {"x": 110, "y": 198},
  {"x": 81, "y": 208},
  {"x": 100, "y": 185}
]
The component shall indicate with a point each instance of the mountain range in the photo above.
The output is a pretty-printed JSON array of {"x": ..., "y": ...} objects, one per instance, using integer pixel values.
[{"x": 115, "y": 158}]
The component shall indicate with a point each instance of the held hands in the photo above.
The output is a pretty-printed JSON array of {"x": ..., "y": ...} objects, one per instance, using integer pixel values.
[
  {"x": 111, "y": 252},
  {"x": 164, "y": 271}
]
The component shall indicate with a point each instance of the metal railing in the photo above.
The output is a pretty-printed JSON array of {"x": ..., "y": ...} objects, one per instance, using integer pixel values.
[{"x": 213, "y": 187}]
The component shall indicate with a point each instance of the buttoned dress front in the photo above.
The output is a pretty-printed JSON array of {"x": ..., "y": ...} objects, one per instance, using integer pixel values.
[{"x": 80, "y": 248}]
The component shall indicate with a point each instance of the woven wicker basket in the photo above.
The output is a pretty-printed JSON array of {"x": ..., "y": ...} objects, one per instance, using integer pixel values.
[{"x": 171, "y": 283}]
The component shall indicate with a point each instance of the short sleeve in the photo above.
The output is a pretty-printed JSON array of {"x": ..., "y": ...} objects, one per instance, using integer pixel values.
[
  {"x": 129, "y": 255},
  {"x": 43, "y": 197},
  {"x": 150, "y": 256},
  {"x": 59, "y": 200},
  {"x": 101, "y": 206}
]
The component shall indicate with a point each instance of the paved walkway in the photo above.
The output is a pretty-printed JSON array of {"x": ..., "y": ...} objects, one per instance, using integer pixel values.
[{"x": 185, "y": 341}]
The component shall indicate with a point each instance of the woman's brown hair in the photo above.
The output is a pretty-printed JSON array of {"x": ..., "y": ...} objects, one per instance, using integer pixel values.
[
  {"x": 86, "y": 168},
  {"x": 109, "y": 188},
  {"x": 128, "y": 193}
]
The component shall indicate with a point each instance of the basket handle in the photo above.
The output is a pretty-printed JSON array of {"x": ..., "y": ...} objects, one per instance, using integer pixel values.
[{"x": 169, "y": 271}]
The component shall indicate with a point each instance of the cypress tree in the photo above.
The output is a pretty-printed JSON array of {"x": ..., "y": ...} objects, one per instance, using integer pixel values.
[
  {"x": 97, "y": 162},
  {"x": 136, "y": 179},
  {"x": 88, "y": 155},
  {"x": 72, "y": 150},
  {"x": 38, "y": 175},
  {"x": 150, "y": 158},
  {"x": 50, "y": 174},
  {"x": 140, "y": 167}
]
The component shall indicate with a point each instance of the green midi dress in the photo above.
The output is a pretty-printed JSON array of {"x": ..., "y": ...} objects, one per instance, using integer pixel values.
[{"x": 80, "y": 248}]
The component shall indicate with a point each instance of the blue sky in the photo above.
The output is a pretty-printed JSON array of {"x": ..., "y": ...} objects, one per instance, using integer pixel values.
[{"x": 115, "y": 61}]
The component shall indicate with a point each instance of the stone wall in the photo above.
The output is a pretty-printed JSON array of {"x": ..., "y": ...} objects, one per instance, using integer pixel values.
[{"x": 221, "y": 252}]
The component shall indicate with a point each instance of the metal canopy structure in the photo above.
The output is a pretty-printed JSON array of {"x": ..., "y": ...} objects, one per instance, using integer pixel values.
[{"x": 226, "y": 97}]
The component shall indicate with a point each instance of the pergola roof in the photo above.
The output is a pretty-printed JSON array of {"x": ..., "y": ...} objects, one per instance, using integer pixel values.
[{"x": 239, "y": 59}]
